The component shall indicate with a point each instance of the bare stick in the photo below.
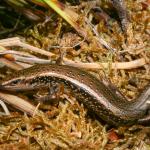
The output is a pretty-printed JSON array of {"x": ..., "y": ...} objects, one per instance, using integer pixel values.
[
  {"x": 100, "y": 39},
  {"x": 4, "y": 108},
  {"x": 11, "y": 64},
  {"x": 16, "y": 42},
  {"x": 118, "y": 65},
  {"x": 17, "y": 102}
]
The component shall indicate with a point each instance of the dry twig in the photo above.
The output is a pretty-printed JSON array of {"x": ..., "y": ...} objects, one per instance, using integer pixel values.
[
  {"x": 116, "y": 65},
  {"x": 19, "y": 103}
]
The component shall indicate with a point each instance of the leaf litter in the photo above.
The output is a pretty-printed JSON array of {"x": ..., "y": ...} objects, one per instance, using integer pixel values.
[{"x": 67, "y": 124}]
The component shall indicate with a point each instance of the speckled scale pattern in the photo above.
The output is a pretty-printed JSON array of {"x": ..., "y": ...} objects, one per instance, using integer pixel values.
[
  {"x": 82, "y": 96},
  {"x": 94, "y": 94}
]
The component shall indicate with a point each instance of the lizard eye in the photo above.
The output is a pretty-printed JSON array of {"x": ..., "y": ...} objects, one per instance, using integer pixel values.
[{"x": 16, "y": 81}]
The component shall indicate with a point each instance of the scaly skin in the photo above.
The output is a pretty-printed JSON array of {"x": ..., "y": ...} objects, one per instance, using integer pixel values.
[
  {"x": 122, "y": 12},
  {"x": 102, "y": 99}
]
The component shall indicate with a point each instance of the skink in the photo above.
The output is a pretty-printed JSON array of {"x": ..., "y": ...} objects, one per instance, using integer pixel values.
[{"x": 107, "y": 103}]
